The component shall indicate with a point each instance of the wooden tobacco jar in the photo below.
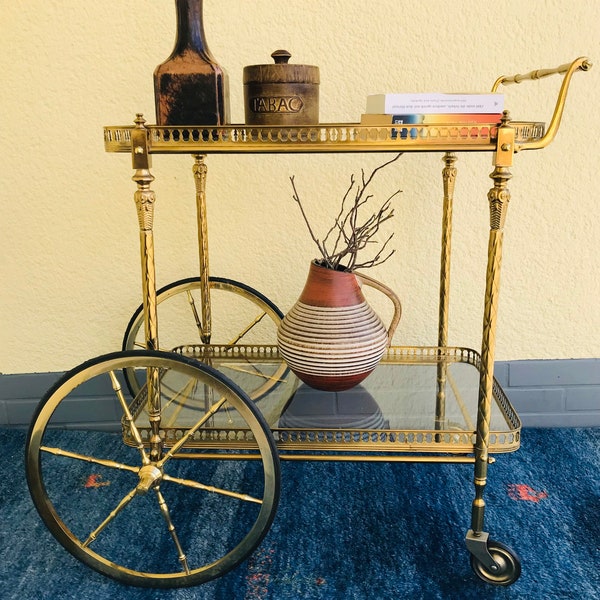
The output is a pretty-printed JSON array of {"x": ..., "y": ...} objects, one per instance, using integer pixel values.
[{"x": 281, "y": 94}]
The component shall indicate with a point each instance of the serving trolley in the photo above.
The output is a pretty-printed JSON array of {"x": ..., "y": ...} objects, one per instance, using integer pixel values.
[{"x": 188, "y": 486}]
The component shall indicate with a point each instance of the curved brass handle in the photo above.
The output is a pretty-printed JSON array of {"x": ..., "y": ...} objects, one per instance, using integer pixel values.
[
  {"x": 580, "y": 64},
  {"x": 384, "y": 289}
]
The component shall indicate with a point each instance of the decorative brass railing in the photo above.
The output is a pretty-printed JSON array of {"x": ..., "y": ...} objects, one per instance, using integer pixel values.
[
  {"x": 453, "y": 438},
  {"x": 325, "y": 137}
]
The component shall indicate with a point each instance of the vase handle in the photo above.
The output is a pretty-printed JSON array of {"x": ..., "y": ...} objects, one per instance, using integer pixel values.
[{"x": 384, "y": 289}]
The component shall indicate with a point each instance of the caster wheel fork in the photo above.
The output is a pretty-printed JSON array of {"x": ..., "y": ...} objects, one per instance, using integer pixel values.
[{"x": 492, "y": 561}]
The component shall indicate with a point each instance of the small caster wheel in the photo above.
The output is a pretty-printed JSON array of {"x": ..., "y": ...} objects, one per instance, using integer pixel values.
[{"x": 508, "y": 565}]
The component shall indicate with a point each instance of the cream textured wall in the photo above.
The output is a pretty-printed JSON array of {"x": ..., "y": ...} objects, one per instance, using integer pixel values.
[{"x": 69, "y": 261}]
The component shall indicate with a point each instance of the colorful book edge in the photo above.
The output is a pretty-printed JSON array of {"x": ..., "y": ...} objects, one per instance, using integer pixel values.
[{"x": 429, "y": 119}]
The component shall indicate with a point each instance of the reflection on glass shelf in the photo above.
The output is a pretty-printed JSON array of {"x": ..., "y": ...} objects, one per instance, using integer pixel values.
[{"x": 315, "y": 409}]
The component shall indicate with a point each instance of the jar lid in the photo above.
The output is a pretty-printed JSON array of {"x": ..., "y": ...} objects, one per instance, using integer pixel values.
[{"x": 281, "y": 71}]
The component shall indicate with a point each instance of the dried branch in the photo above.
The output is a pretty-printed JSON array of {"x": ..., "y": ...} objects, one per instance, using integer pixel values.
[
  {"x": 349, "y": 235},
  {"x": 296, "y": 197}
]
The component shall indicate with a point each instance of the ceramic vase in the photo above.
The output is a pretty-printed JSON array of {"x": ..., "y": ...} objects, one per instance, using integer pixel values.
[{"x": 331, "y": 338}]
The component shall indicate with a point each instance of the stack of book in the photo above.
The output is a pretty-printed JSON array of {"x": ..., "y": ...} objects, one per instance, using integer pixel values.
[{"x": 432, "y": 109}]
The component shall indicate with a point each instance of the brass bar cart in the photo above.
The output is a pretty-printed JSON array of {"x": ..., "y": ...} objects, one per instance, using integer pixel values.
[{"x": 206, "y": 414}]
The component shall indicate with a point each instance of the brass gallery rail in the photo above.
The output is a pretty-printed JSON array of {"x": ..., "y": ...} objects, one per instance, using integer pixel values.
[{"x": 319, "y": 138}]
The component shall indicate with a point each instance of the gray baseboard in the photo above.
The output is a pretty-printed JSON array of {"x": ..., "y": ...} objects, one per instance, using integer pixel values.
[
  {"x": 20, "y": 395},
  {"x": 545, "y": 393},
  {"x": 553, "y": 393}
]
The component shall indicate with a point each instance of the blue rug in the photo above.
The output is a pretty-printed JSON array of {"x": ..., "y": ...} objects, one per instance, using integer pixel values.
[{"x": 364, "y": 531}]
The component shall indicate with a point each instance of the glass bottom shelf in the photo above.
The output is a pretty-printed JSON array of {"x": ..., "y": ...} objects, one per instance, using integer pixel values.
[{"x": 396, "y": 409}]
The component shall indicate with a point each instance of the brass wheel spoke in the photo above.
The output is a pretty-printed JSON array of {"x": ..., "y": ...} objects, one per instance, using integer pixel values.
[
  {"x": 255, "y": 371},
  {"x": 91, "y": 459},
  {"x": 124, "y": 502},
  {"x": 244, "y": 331},
  {"x": 164, "y": 509},
  {"x": 191, "y": 431},
  {"x": 185, "y": 392},
  {"x": 129, "y": 418},
  {"x": 209, "y": 488},
  {"x": 195, "y": 312}
]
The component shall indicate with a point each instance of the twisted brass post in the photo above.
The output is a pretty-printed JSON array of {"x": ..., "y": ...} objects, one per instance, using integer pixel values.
[
  {"x": 449, "y": 178},
  {"x": 498, "y": 197},
  {"x": 200, "y": 172},
  {"x": 144, "y": 199}
]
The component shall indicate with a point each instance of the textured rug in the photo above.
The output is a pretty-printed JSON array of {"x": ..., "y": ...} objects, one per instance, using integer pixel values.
[{"x": 362, "y": 531}]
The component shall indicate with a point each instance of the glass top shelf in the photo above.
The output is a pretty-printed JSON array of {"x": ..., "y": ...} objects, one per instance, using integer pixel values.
[{"x": 396, "y": 408}]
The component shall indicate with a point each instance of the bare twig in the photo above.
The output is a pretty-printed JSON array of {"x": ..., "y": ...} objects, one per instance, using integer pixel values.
[
  {"x": 314, "y": 237},
  {"x": 348, "y": 234}
]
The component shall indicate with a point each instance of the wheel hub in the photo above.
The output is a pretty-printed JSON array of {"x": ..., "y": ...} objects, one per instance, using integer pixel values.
[{"x": 150, "y": 476}]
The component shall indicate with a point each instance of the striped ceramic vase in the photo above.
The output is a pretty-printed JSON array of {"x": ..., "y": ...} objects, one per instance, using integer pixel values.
[{"x": 331, "y": 338}]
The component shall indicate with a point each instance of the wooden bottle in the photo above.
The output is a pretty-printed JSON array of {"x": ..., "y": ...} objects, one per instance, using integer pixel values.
[{"x": 190, "y": 88}]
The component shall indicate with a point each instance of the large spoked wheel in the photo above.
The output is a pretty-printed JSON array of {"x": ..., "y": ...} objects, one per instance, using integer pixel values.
[
  {"x": 146, "y": 508},
  {"x": 507, "y": 568},
  {"x": 239, "y": 315}
]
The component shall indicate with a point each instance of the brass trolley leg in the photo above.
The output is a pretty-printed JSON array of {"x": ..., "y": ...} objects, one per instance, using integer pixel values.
[
  {"x": 491, "y": 560},
  {"x": 203, "y": 321},
  {"x": 449, "y": 178},
  {"x": 498, "y": 197},
  {"x": 144, "y": 199}
]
